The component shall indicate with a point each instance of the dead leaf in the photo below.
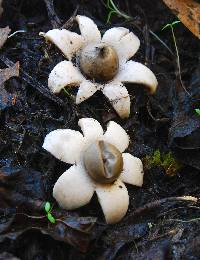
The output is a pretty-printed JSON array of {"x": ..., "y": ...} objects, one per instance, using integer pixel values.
[
  {"x": 8, "y": 73},
  {"x": 22, "y": 192},
  {"x": 188, "y": 11},
  {"x": 6, "y": 99},
  {"x": 4, "y": 34}
]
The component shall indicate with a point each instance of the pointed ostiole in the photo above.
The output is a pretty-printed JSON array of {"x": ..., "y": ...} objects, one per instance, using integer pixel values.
[{"x": 99, "y": 62}]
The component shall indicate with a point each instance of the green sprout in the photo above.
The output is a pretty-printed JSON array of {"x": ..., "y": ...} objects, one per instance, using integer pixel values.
[
  {"x": 114, "y": 10},
  {"x": 197, "y": 111},
  {"x": 171, "y": 27},
  {"x": 150, "y": 225},
  {"x": 167, "y": 161},
  {"x": 110, "y": 5},
  {"x": 68, "y": 94},
  {"x": 48, "y": 209}
]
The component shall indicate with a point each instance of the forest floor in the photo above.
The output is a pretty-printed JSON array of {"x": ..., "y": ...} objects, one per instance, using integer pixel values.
[{"x": 164, "y": 129}]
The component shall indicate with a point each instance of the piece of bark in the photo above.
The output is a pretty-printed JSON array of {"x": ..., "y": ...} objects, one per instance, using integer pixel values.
[
  {"x": 188, "y": 11},
  {"x": 8, "y": 73},
  {"x": 4, "y": 32},
  {"x": 6, "y": 99}
]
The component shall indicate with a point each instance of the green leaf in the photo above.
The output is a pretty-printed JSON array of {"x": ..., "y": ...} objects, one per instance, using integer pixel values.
[
  {"x": 175, "y": 22},
  {"x": 47, "y": 206},
  {"x": 110, "y": 15},
  {"x": 150, "y": 225},
  {"x": 114, "y": 7},
  {"x": 170, "y": 25},
  {"x": 156, "y": 158},
  {"x": 166, "y": 26},
  {"x": 108, "y": 5},
  {"x": 51, "y": 218},
  {"x": 197, "y": 111}
]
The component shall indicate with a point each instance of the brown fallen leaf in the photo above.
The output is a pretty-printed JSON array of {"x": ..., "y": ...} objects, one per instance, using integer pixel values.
[
  {"x": 8, "y": 73},
  {"x": 6, "y": 99},
  {"x": 188, "y": 11},
  {"x": 4, "y": 34}
]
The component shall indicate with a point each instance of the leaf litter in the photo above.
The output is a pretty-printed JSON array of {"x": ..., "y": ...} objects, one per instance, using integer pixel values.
[{"x": 166, "y": 122}]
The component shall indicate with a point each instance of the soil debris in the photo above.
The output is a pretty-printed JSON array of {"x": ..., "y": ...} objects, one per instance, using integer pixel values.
[
  {"x": 160, "y": 223},
  {"x": 4, "y": 32},
  {"x": 6, "y": 98}
]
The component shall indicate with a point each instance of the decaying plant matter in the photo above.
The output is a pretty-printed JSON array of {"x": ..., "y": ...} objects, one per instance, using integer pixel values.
[{"x": 162, "y": 220}]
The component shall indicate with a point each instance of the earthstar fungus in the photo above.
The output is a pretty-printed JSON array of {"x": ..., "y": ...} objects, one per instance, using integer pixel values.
[
  {"x": 100, "y": 63},
  {"x": 99, "y": 165}
]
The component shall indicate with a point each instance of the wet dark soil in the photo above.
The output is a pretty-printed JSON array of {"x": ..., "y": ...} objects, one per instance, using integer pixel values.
[{"x": 159, "y": 224}]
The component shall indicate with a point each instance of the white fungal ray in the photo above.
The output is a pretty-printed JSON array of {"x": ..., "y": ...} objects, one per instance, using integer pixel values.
[
  {"x": 132, "y": 170},
  {"x": 118, "y": 97},
  {"x": 128, "y": 46},
  {"x": 65, "y": 144},
  {"x": 68, "y": 42},
  {"x": 114, "y": 35},
  {"x": 88, "y": 28},
  {"x": 116, "y": 136},
  {"x": 91, "y": 128},
  {"x": 73, "y": 189},
  {"x": 114, "y": 200},
  {"x": 64, "y": 74},
  {"x": 135, "y": 72},
  {"x": 86, "y": 90},
  {"x": 124, "y": 42}
]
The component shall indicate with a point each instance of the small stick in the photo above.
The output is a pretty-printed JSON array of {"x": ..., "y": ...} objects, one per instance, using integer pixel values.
[
  {"x": 155, "y": 204},
  {"x": 55, "y": 21}
]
